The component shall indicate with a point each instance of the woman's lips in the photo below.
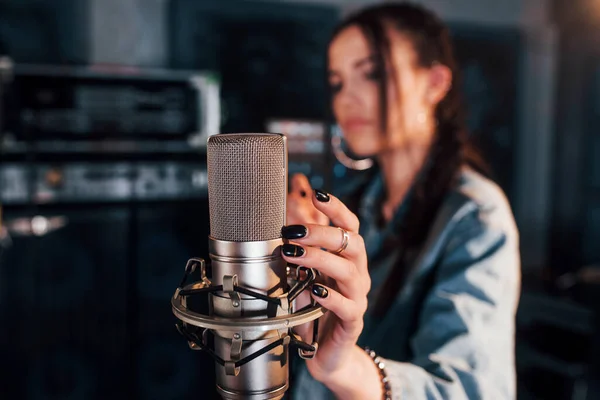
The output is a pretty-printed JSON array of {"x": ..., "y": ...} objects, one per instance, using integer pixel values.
[{"x": 353, "y": 124}]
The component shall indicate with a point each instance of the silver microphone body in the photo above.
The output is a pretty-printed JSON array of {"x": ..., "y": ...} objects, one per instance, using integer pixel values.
[
  {"x": 247, "y": 184},
  {"x": 257, "y": 265},
  {"x": 251, "y": 306}
]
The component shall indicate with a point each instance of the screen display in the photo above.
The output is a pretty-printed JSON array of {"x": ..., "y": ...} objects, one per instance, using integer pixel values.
[
  {"x": 67, "y": 107},
  {"x": 304, "y": 137}
]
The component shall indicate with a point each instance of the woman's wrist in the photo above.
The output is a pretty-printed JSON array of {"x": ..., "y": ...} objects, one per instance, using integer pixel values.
[
  {"x": 345, "y": 385},
  {"x": 380, "y": 364}
]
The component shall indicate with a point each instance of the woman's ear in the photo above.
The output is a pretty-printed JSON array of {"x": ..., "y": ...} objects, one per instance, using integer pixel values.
[{"x": 440, "y": 82}]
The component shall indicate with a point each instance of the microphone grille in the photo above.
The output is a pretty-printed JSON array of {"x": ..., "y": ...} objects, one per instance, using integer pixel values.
[{"x": 247, "y": 186}]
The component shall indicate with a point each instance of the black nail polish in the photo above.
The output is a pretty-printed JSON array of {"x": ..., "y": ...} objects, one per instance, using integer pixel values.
[
  {"x": 292, "y": 250},
  {"x": 294, "y": 232},
  {"x": 322, "y": 196},
  {"x": 320, "y": 290}
]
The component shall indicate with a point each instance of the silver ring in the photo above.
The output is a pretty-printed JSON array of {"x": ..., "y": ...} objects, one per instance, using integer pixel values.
[{"x": 345, "y": 240}]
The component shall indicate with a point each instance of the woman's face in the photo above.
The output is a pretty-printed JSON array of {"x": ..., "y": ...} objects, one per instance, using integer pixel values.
[{"x": 353, "y": 78}]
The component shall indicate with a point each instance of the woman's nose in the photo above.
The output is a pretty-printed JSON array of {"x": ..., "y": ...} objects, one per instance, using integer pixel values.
[{"x": 349, "y": 94}]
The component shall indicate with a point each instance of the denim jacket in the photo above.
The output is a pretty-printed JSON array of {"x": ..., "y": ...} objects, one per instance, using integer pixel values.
[{"x": 450, "y": 332}]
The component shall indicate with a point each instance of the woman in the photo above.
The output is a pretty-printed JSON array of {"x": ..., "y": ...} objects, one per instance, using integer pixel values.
[{"x": 423, "y": 267}]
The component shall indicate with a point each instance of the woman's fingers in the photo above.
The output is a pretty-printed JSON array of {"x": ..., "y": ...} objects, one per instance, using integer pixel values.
[
  {"x": 335, "y": 210},
  {"x": 297, "y": 210},
  {"x": 342, "y": 270},
  {"x": 300, "y": 185},
  {"x": 330, "y": 238},
  {"x": 347, "y": 310},
  {"x": 300, "y": 208}
]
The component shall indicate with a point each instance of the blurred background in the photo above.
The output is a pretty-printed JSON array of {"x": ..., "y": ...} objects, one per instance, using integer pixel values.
[{"x": 105, "y": 107}]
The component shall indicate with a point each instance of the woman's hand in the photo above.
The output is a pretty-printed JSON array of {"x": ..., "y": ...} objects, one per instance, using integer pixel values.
[
  {"x": 300, "y": 208},
  {"x": 344, "y": 294}
]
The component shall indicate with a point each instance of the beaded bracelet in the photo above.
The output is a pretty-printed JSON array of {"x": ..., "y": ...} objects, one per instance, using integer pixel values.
[{"x": 387, "y": 390}]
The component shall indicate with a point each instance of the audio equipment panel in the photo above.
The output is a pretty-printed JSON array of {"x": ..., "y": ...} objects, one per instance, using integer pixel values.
[
  {"x": 99, "y": 109},
  {"x": 81, "y": 182}
]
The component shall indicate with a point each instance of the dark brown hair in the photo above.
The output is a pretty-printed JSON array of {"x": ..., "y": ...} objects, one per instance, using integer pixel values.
[{"x": 450, "y": 149}]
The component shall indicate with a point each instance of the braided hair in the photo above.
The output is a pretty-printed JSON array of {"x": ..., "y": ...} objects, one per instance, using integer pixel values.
[{"x": 450, "y": 149}]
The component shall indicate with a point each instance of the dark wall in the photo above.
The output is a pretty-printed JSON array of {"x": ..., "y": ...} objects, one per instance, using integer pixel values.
[
  {"x": 44, "y": 31},
  {"x": 576, "y": 213},
  {"x": 271, "y": 56},
  {"x": 490, "y": 59}
]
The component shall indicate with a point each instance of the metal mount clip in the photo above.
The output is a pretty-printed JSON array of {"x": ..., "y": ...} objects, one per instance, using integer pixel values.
[
  {"x": 229, "y": 284},
  {"x": 234, "y": 355}
]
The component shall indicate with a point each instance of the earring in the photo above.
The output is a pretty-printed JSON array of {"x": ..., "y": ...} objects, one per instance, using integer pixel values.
[
  {"x": 343, "y": 158},
  {"x": 422, "y": 117}
]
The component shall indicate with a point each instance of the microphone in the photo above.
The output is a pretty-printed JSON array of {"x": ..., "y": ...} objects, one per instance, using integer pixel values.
[{"x": 252, "y": 290}]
